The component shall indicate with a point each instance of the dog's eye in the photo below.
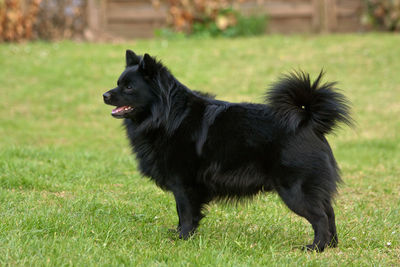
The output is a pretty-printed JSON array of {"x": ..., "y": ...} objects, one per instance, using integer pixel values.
[{"x": 128, "y": 89}]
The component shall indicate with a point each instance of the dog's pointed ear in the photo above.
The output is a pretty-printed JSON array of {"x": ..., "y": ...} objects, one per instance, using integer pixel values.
[
  {"x": 131, "y": 58},
  {"x": 148, "y": 65}
]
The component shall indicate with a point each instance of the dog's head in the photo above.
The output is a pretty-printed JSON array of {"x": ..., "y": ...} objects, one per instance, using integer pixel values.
[{"x": 134, "y": 91}]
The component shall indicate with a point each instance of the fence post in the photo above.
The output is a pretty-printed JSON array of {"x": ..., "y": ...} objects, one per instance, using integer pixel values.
[
  {"x": 317, "y": 16},
  {"x": 330, "y": 22},
  {"x": 95, "y": 18}
]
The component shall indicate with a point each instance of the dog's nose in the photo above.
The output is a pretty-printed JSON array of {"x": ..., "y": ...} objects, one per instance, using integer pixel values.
[{"x": 107, "y": 96}]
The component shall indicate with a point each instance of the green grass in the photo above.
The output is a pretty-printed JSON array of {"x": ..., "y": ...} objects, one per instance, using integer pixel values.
[{"x": 70, "y": 193}]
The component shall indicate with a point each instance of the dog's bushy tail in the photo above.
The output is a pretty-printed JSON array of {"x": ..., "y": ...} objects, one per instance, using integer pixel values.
[{"x": 299, "y": 103}]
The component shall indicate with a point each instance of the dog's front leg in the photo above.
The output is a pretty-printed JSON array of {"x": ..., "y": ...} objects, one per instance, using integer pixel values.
[{"x": 187, "y": 224}]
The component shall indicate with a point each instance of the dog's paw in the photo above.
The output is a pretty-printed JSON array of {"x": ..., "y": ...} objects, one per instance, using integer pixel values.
[
  {"x": 314, "y": 248},
  {"x": 184, "y": 236},
  {"x": 175, "y": 230},
  {"x": 186, "y": 232}
]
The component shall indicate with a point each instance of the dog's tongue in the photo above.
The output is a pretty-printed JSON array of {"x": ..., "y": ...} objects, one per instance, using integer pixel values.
[{"x": 121, "y": 110}]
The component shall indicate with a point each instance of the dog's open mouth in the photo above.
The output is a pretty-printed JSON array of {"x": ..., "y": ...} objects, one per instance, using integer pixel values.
[{"x": 119, "y": 112}]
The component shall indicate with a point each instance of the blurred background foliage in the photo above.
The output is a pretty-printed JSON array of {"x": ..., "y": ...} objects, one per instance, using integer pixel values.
[
  {"x": 41, "y": 19},
  {"x": 212, "y": 18},
  {"x": 383, "y": 14}
]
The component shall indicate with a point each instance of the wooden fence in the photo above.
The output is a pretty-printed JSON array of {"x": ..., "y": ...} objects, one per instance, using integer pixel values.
[{"x": 138, "y": 18}]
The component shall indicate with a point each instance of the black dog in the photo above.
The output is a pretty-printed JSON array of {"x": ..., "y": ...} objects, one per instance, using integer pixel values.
[{"x": 202, "y": 149}]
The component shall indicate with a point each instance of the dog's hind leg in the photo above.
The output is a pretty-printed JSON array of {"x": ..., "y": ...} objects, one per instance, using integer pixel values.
[
  {"x": 333, "y": 241},
  {"x": 311, "y": 208},
  {"x": 178, "y": 228}
]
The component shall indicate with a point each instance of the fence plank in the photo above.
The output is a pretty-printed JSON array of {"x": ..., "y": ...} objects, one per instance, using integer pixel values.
[
  {"x": 316, "y": 17},
  {"x": 135, "y": 12},
  {"x": 279, "y": 8},
  {"x": 331, "y": 15}
]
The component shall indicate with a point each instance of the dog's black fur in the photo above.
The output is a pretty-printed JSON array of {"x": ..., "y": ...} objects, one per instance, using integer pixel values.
[{"x": 202, "y": 149}]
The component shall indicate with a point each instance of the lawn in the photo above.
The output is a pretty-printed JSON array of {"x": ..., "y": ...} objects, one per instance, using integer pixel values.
[{"x": 71, "y": 194}]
